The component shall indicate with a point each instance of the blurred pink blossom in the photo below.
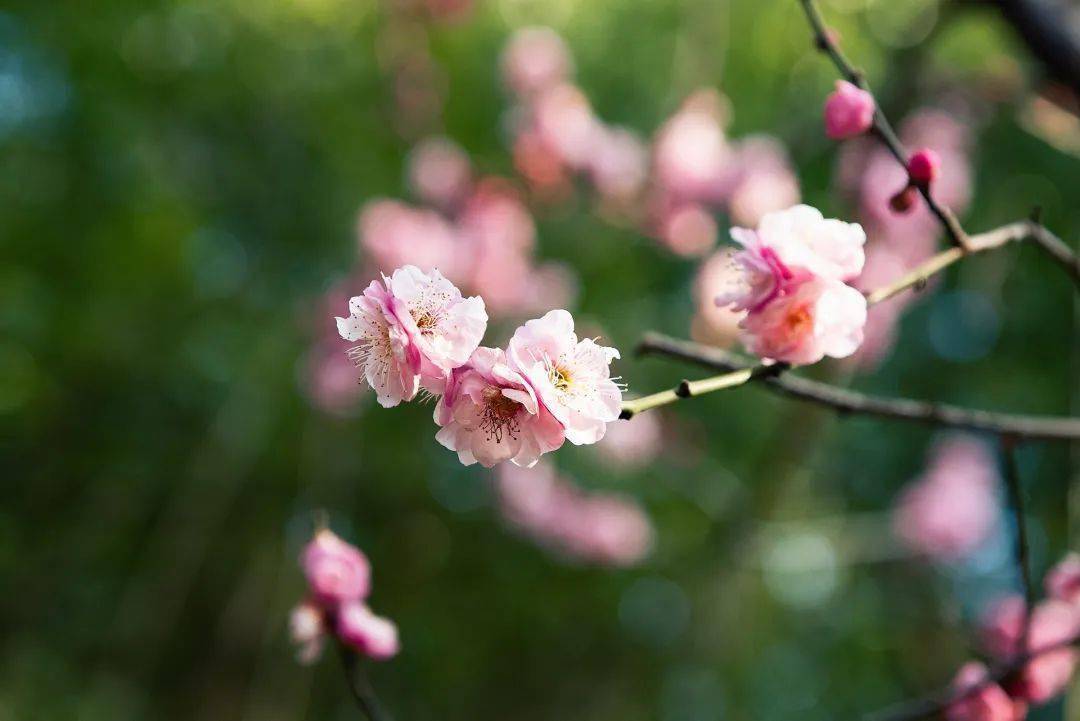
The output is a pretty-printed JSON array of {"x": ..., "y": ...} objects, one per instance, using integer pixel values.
[
  {"x": 1053, "y": 625},
  {"x": 307, "y": 630},
  {"x": 394, "y": 234},
  {"x": 374, "y": 636},
  {"x": 490, "y": 414},
  {"x": 689, "y": 230},
  {"x": 713, "y": 324},
  {"x": 1063, "y": 580},
  {"x": 439, "y": 172},
  {"x": 849, "y": 111},
  {"x": 634, "y": 442},
  {"x": 336, "y": 571},
  {"x": 599, "y": 528},
  {"x": 759, "y": 179},
  {"x": 618, "y": 163},
  {"x": 952, "y": 507},
  {"x": 690, "y": 153},
  {"x": 879, "y": 335},
  {"x": 986, "y": 702},
  {"x": 566, "y": 124},
  {"x": 535, "y": 59}
]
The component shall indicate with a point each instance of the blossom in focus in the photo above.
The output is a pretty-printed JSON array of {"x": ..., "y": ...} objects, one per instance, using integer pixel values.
[
  {"x": 571, "y": 377},
  {"x": 820, "y": 317},
  {"x": 986, "y": 701},
  {"x": 1053, "y": 625},
  {"x": 439, "y": 172},
  {"x": 307, "y": 629},
  {"x": 1063, "y": 580},
  {"x": 633, "y": 442},
  {"x": 535, "y": 59},
  {"x": 787, "y": 248},
  {"x": 490, "y": 414},
  {"x": 602, "y": 528},
  {"x": 336, "y": 571},
  {"x": 952, "y": 507},
  {"x": 849, "y": 111},
  {"x": 374, "y": 636}
]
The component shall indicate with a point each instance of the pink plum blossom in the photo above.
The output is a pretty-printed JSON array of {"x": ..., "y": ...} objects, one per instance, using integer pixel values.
[
  {"x": 788, "y": 247},
  {"x": 394, "y": 234},
  {"x": 1053, "y": 624},
  {"x": 952, "y": 508},
  {"x": 689, "y": 230},
  {"x": 690, "y": 153},
  {"x": 490, "y": 414},
  {"x": 602, "y": 528},
  {"x": 618, "y": 163},
  {"x": 414, "y": 327},
  {"x": 535, "y": 59},
  {"x": 439, "y": 172},
  {"x": 1063, "y": 580},
  {"x": 986, "y": 700},
  {"x": 570, "y": 377},
  {"x": 820, "y": 317},
  {"x": 307, "y": 629},
  {"x": 849, "y": 111},
  {"x": 566, "y": 124},
  {"x": 758, "y": 180},
  {"x": 336, "y": 571},
  {"x": 374, "y": 636}
]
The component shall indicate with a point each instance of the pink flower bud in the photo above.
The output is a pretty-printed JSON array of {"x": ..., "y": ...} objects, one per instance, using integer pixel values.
[
  {"x": 986, "y": 702},
  {"x": 923, "y": 166},
  {"x": 336, "y": 571},
  {"x": 1063, "y": 580},
  {"x": 849, "y": 111},
  {"x": 372, "y": 635},
  {"x": 905, "y": 200}
]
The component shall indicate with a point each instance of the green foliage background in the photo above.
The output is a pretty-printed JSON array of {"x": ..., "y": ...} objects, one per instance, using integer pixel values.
[{"x": 181, "y": 186}]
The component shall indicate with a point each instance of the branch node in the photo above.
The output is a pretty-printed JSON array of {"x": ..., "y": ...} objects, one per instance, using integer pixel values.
[{"x": 683, "y": 391}]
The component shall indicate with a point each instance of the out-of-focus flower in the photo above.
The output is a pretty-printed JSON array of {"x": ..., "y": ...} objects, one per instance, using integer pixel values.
[
  {"x": 634, "y": 442},
  {"x": 879, "y": 335},
  {"x": 949, "y": 510},
  {"x": 758, "y": 180},
  {"x": 1053, "y": 625},
  {"x": 566, "y": 124},
  {"x": 820, "y": 317},
  {"x": 374, "y": 636},
  {"x": 539, "y": 166},
  {"x": 598, "y": 528},
  {"x": 307, "y": 629},
  {"x": 394, "y": 234},
  {"x": 618, "y": 163},
  {"x": 571, "y": 377},
  {"x": 714, "y": 324},
  {"x": 330, "y": 380},
  {"x": 1063, "y": 580},
  {"x": 849, "y": 111},
  {"x": 336, "y": 571},
  {"x": 414, "y": 328},
  {"x": 490, "y": 414},
  {"x": 986, "y": 701},
  {"x": 439, "y": 172},
  {"x": 535, "y": 59},
  {"x": 689, "y": 230},
  {"x": 690, "y": 153}
]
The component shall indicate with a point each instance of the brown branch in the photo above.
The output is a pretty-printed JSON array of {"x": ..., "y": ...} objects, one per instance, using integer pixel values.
[
  {"x": 1016, "y": 502},
  {"x": 881, "y": 127},
  {"x": 846, "y": 401},
  {"x": 360, "y": 687},
  {"x": 1046, "y": 29},
  {"x": 933, "y": 705}
]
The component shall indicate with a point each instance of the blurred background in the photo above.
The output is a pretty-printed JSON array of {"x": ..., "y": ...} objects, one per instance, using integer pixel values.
[{"x": 191, "y": 189}]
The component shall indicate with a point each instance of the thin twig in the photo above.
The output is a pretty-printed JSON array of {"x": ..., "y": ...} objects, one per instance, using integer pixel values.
[
  {"x": 933, "y": 705},
  {"x": 881, "y": 128},
  {"x": 1016, "y": 502},
  {"x": 846, "y": 401},
  {"x": 360, "y": 686}
]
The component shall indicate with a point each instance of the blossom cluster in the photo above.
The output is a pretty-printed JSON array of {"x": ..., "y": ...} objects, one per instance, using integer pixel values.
[
  {"x": 670, "y": 186},
  {"x": 1008, "y": 632},
  {"x": 790, "y": 281},
  {"x": 339, "y": 581},
  {"x": 601, "y": 528},
  {"x": 416, "y": 330}
]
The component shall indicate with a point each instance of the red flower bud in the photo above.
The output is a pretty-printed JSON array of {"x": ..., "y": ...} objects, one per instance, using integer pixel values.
[{"x": 923, "y": 166}]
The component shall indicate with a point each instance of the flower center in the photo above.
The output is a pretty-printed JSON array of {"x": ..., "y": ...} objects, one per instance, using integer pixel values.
[
  {"x": 499, "y": 415},
  {"x": 560, "y": 378},
  {"x": 798, "y": 321},
  {"x": 425, "y": 320}
]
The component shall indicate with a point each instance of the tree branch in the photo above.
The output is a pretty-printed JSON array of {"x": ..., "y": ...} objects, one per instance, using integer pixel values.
[
  {"x": 1046, "y": 29},
  {"x": 360, "y": 687},
  {"x": 846, "y": 401},
  {"x": 1016, "y": 502}
]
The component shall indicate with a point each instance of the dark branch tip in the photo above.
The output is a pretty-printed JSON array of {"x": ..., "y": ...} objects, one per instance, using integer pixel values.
[
  {"x": 625, "y": 414},
  {"x": 683, "y": 391}
]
